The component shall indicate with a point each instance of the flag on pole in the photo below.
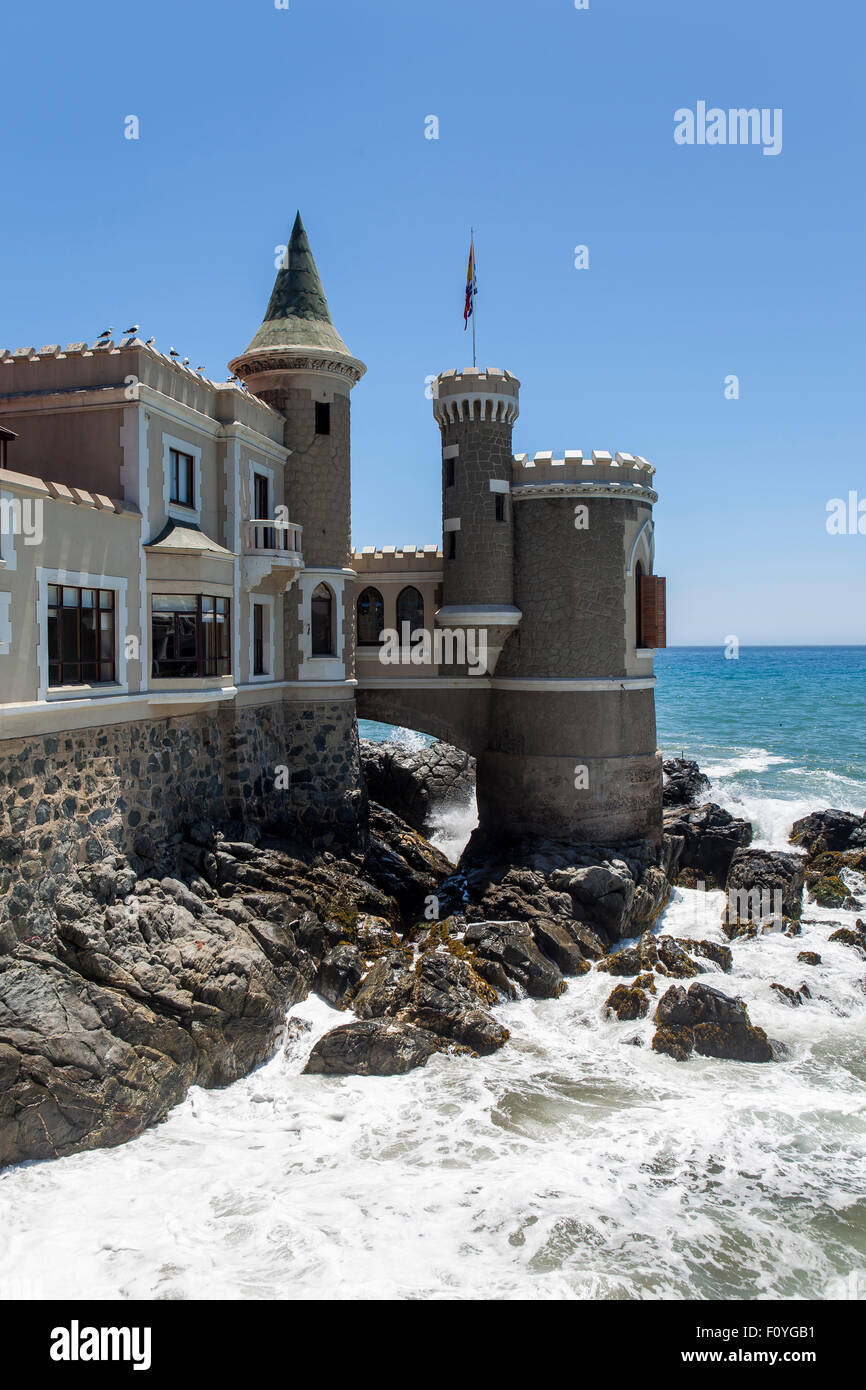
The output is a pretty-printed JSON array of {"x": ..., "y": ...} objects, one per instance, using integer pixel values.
[{"x": 471, "y": 286}]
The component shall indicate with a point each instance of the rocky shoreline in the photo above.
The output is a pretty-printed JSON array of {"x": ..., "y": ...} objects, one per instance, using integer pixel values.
[{"x": 176, "y": 965}]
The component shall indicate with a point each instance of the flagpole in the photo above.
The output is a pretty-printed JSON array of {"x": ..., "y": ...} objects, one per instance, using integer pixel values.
[{"x": 474, "y": 295}]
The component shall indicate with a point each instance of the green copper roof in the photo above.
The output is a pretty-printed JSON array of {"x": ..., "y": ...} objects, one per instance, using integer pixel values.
[{"x": 298, "y": 315}]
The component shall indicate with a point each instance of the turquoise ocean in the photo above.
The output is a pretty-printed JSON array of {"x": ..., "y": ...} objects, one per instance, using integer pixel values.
[{"x": 574, "y": 1164}]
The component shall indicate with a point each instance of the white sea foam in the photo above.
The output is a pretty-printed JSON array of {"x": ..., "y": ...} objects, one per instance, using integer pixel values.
[
  {"x": 745, "y": 760},
  {"x": 453, "y": 823},
  {"x": 569, "y": 1165}
]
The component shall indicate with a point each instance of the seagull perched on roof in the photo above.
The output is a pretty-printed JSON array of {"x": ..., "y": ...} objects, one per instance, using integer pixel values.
[
  {"x": 150, "y": 342},
  {"x": 186, "y": 361},
  {"x": 134, "y": 329},
  {"x": 106, "y": 333},
  {"x": 172, "y": 352},
  {"x": 199, "y": 369}
]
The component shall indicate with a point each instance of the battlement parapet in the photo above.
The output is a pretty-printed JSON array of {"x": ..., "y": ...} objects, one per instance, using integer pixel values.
[
  {"x": 476, "y": 394},
  {"x": 631, "y": 474},
  {"x": 399, "y": 559}
]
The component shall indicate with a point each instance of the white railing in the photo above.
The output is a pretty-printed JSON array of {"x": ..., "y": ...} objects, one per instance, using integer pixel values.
[{"x": 274, "y": 537}]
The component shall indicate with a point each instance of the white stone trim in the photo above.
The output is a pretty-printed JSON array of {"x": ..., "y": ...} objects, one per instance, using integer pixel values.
[
  {"x": 479, "y": 615},
  {"x": 136, "y": 489},
  {"x": 176, "y": 510},
  {"x": 499, "y": 485},
  {"x": 44, "y": 577},
  {"x": 527, "y": 492},
  {"x": 451, "y": 451},
  {"x": 232, "y": 500},
  {"x": 322, "y": 668},
  {"x": 252, "y": 469},
  {"x": 8, "y": 557},
  {"x": 5, "y": 624},
  {"x": 451, "y": 523},
  {"x": 551, "y": 684},
  {"x": 267, "y": 601},
  {"x": 541, "y": 685},
  {"x": 647, "y": 534}
]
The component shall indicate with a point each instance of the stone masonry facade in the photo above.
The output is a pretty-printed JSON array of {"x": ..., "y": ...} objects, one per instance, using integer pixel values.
[{"x": 72, "y": 799}]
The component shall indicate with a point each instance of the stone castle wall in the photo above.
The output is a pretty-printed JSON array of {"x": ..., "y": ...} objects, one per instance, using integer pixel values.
[
  {"x": 481, "y": 571},
  {"x": 71, "y": 799},
  {"x": 570, "y": 589},
  {"x": 318, "y": 474}
]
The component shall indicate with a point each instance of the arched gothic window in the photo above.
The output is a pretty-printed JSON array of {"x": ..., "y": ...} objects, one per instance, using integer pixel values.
[
  {"x": 410, "y": 609},
  {"x": 322, "y": 622},
  {"x": 371, "y": 617}
]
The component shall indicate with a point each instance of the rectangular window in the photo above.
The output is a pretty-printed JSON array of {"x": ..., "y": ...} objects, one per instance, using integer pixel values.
[
  {"x": 499, "y": 498},
  {"x": 451, "y": 545},
  {"x": 449, "y": 472},
  {"x": 80, "y": 636},
  {"x": 260, "y": 657},
  {"x": 323, "y": 417},
  {"x": 191, "y": 635},
  {"x": 182, "y": 489}
]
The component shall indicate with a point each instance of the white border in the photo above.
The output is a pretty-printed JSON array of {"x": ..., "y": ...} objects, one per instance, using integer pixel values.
[
  {"x": 268, "y": 601},
  {"x": 5, "y": 624},
  {"x": 176, "y": 510},
  {"x": 45, "y": 577}
]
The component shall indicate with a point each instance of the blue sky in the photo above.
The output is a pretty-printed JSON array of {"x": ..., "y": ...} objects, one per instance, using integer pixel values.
[{"x": 555, "y": 130}]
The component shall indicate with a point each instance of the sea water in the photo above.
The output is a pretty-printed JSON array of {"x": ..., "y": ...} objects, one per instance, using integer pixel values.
[{"x": 575, "y": 1163}]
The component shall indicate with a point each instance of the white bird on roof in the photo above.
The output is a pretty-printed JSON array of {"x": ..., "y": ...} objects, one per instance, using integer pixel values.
[
  {"x": 150, "y": 342},
  {"x": 199, "y": 369},
  {"x": 186, "y": 361},
  {"x": 106, "y": 333},
  {"x": 133, "y": 329},
  {"x": 172, "y": 352}
]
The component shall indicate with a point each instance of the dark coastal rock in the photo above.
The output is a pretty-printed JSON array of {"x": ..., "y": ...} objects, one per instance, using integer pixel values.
[
  {"x": 340, "y": 974},
  {"x": 846, "y": 937},
  {"x": 386, "y": 987},
  {"x": 714, "y": 1024},
  {"x": 598, "y": 894},
  {"x": 447, "y": 1000},
  {"x": 401, "y": 862},
  {"x": 416, "y": 783},
  {"x": 139, "y": 987},
  {"x": 793, "y": 997},
  {"x": 704, "y": 842},
  {"x": 627, "y": 1002},
  {"x": 809, "y": 957},
  {"x": 511, "y": 946},
  {"x": 830, "y": 830},
  {"x": 722, "y": 956},
  {"x": 824, "y": 877},
  {"x": 684, "y": 783},
  {"x": 557, "y": 942},
  {"x": 651, "y": 953},
  {"x": 763, "y": 885},
  {"x": 373, "y": 1047},
  {"x": 130, "y": 1005}
]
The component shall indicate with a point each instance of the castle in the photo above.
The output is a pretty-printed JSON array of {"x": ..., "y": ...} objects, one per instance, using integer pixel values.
[{"x": 185, "y": 630}]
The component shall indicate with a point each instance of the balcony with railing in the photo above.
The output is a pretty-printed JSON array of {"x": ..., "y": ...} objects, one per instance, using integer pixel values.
[{"x": 272, "y": 554}]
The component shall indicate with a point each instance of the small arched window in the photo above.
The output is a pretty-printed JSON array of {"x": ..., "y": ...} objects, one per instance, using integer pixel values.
[
  {"x": 638, "y": 626},
  {"x": 371, "y": 617},
  {"x": 322, "y": 621},
  {"x": 410, "y": 609}
]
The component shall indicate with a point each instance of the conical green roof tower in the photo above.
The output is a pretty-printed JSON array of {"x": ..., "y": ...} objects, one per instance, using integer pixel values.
[{"x": 297, "y": 317}]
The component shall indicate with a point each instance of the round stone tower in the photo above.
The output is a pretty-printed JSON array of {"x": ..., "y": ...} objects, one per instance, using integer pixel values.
[
  {"x": 554, "y": 558},
  {"x": 298, "y": 363},
  {"x": 572, "y": 735},
  {"x": 476, "y": 411}
]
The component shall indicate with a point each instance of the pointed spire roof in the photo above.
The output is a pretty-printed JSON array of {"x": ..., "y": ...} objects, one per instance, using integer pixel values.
[{"x": 297, "y": 315}]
